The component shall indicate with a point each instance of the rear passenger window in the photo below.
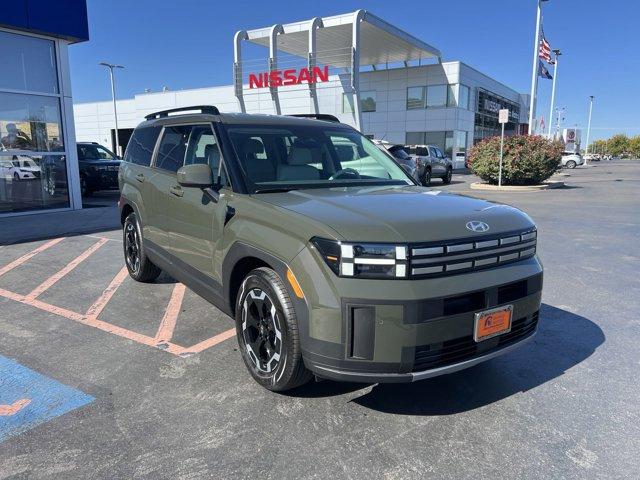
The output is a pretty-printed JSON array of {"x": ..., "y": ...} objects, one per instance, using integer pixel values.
[
  {"x": 140, "y": 147},
  {"x": 173, "y": 147}
]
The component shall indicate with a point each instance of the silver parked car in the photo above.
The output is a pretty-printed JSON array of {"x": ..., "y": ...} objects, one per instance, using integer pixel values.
[
  {"x": 410, "y": 164},
  {"x": 436, "y": 164}
]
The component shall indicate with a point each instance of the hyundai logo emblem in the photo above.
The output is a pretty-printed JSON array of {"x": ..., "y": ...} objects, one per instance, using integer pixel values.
[{"x": 477, "y": 226}]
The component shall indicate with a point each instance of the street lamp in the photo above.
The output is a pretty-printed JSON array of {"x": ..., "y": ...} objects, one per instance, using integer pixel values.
[
  {"x": 553, "y": 89},
  {"x": 111, "y": 66},
  {"x": 586, "y": 149}
]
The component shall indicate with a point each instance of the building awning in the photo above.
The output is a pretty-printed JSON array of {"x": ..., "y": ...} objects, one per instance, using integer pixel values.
[{"x": 380, "y": 42}]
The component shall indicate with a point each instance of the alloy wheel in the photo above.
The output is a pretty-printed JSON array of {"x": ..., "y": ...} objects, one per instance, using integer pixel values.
[
  {"x": 261, "y": 331},
  {"x": 132, "y": 247}
]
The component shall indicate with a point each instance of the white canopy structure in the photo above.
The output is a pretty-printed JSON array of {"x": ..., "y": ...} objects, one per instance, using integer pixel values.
[{"x": 345, "y": 41}]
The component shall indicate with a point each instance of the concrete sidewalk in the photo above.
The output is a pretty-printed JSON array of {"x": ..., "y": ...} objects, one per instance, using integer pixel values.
[{"x": 59, "y": 224}]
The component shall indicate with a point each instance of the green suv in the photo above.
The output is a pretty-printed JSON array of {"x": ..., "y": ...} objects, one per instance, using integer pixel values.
[{"x": 332, "y": 260}]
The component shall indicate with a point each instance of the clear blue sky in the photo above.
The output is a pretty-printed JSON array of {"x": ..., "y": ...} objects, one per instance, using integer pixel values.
[{"x": 189, "y": 44}]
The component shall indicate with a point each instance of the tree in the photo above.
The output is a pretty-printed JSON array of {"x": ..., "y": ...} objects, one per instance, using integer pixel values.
[
  {"x": 634, "y": 146},
  {"x": 618, "y": 145}
]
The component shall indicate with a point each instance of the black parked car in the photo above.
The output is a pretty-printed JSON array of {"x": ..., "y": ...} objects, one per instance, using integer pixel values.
[{"x": 98, "y": 168}]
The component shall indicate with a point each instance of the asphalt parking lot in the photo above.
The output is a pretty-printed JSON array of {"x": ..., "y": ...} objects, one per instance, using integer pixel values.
[{"x": 101, "y": 377}]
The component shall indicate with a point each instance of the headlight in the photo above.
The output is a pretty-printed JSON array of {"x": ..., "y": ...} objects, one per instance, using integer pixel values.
[{"x": 363, "y": 260}]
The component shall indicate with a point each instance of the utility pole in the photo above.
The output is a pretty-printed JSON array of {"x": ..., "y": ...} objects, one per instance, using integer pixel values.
[
  {"x": 553, "y": 89},
  {"x": 111, "y": 66},
  {"x": 586, "y": 148}
]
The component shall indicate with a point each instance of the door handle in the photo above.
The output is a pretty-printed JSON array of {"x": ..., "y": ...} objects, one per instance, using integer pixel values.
[
  {"x": 177, "y": 191},
  {"x": 140, "y": 177}
]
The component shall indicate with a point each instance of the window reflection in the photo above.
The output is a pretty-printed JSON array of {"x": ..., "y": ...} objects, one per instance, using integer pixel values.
[{"x": 27, "y": 63}]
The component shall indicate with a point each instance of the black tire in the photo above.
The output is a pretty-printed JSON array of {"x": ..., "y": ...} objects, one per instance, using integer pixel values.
[
  {"x": 16, "y": 177},
  {"x": 258, "y": 325},
  {"x": 85, "y": 191},
  {"x": 571, "y": 164},
  {"x": 447, "y": 176},
  {"x": 140, "y": 267},
  {"x": 426, "y": 177}
]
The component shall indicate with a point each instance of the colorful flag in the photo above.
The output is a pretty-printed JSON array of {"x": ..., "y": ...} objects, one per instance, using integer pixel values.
[
  {"x": 545, "y": 50},
  {"x": 543, "y": 72}
]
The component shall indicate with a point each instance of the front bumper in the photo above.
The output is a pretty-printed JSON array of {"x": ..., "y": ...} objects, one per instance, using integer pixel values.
[{"x": 408, "y": 330}]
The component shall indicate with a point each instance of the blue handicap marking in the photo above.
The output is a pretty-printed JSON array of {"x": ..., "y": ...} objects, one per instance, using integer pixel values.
[{"x": 28, "y": 399}]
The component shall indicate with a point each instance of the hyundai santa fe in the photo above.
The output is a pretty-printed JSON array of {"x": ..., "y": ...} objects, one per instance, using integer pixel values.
[{"x": 332, "y": 260}]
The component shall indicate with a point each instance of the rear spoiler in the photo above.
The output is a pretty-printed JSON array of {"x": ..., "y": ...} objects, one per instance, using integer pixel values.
[
  {"x": 317, "y": 116},
  {"x": 207, "y": 109}
]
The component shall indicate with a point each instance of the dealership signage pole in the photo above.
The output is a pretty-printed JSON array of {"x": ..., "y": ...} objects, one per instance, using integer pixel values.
[
  {"x": 586, "y": 148},
  {"x": 111, "y": 66},
  {"x": 553, "y": 88},
  {"x": 503, "y": 117},
  {"x": 534, "y": 72}
]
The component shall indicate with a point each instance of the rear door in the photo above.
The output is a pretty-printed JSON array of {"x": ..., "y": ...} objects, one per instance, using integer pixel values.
[
  {"x": 194, "y": 220},
  {"x": 438, "y": 167},
  {"x": 162, "y": 178}
]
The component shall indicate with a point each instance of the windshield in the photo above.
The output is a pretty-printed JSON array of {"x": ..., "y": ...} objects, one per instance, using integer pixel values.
[
  {"x": 94, "y": 152},
  {"x": 275, "y": 157}
]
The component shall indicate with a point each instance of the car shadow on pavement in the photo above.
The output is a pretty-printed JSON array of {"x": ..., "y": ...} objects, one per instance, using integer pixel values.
[{"x": 564, "y": 340}]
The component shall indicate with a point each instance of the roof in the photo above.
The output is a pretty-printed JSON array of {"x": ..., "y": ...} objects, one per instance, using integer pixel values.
[{"x": 380, "y": 42}]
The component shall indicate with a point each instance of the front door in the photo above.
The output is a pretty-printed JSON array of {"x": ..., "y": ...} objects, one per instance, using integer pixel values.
[{"x": 195, "y": 220}]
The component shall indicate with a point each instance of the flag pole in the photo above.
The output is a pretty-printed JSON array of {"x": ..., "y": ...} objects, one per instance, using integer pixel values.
[
  {"x": 553, "y": 89},
  {"x": 534, "y": 72}
]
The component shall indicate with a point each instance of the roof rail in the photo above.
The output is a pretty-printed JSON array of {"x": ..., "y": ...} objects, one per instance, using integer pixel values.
[
  {"x": 208, "y": 109},
  {"x": 317, "y": 116}
]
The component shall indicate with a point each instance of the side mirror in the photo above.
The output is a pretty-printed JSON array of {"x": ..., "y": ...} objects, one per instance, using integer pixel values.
[{"x": 197, "y": 175}]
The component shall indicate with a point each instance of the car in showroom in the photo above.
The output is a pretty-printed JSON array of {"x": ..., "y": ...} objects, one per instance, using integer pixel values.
[
  {"x": 19, "y": 167},
  {"x": 571, "y": 160},
  {"x": 436, "y": 164},
  {"x": 334, "y": 265}
]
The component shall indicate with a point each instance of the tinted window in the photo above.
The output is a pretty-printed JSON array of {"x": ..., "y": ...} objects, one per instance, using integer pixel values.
[
  {"x": 94, "y": 152},
  {"x": 140, "y": 147},
  {"x": 202, "y": 147},
  {"x": 433, "y": 152},
  {"x": 173, "y": 147}
]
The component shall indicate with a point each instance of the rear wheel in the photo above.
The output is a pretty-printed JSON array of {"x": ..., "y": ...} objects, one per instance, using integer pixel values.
[
  {"x": 85, "y": 191},
  {"x": 140, "y": 267},
  {"x": 571, "y": 164},
  {"x": 267, "y": 331},
  {"x": 16, "y": 177},
  {"x": 447, "y": 177},
  {"x": 426, "y": 177}
]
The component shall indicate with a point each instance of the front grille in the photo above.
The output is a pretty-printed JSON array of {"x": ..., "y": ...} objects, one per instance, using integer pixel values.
[
  {"x": 464, "y": 348},
  {"x": 437, "y": 259}
]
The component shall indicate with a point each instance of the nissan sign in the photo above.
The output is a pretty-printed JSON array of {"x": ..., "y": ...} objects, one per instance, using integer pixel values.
[{"x": 278, "y": 78}]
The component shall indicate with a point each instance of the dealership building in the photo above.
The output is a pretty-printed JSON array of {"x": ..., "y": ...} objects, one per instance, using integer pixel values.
[{"x": 401, "y": 90}]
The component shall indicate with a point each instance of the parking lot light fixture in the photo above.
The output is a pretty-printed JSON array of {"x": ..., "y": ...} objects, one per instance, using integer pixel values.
[
  {"x": 586, "y": 148},
  {"x": 111, "y": 66}
]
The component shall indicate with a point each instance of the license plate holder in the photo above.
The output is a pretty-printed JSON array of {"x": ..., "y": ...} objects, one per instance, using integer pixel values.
[{"x": 493, "y": 322}]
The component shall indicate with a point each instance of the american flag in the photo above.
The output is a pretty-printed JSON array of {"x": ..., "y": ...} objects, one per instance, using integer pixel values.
[{"x": 545, "y": 50}]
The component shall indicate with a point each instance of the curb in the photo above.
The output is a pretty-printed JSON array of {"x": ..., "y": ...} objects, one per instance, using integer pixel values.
[{"x": 517, "y": 188}]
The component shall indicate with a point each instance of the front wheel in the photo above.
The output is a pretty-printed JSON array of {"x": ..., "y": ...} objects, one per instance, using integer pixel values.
[
  {"x": 571, "y": 164},
  {"x": 267, "y": 331}
]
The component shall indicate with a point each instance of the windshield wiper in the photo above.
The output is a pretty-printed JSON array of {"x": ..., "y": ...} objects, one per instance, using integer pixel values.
[{"x": 275, "y": 189}]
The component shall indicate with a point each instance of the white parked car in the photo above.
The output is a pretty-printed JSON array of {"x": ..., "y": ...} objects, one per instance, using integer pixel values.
[
  {"x": 571, "y": 160},
  {"x": 19, "y": 168}
]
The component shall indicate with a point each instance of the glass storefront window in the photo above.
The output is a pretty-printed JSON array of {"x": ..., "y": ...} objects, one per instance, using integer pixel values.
[
  {"x": 436, "y": 96},
  {"x": 368, "y": 101},
  {"x": 31, "y": 182},
  {"x": 33, "y": 165},
  {"x": 414, "y": 138},
  {"x": 451, "y": 96},
  {"x": 27, "y": 64},
  {"x": 416, "y": 98},
  {"x": 30, "y": 122},
  {"x": 463, "y": 96},
  {"x": 460, "y": 140}
]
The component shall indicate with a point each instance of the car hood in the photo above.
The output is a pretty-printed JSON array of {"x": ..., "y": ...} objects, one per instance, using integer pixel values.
[{"x": 398, "y": 214}]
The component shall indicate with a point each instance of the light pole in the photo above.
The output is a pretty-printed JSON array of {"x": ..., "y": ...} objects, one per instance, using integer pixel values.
[
  {"x": 111, "y": 66},
  {"x": 553, "y": 89},
  {"x": 586, "y": 148}
]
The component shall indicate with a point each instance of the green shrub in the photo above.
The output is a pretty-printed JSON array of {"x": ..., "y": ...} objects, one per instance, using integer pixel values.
[{"x": 528, "y": 159}]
